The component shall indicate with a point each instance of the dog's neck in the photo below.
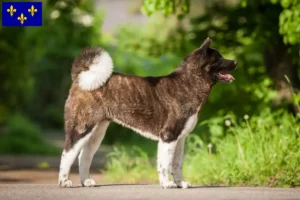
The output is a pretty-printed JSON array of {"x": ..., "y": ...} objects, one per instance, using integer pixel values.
[{"x": 198, "y": 86}]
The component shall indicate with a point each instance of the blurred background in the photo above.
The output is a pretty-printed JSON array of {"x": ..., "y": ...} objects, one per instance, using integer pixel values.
[{"x": 248, "y": 131}]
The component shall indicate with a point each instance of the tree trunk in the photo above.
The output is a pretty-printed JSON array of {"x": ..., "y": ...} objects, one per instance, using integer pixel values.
[{"x": 278, "y": 63}]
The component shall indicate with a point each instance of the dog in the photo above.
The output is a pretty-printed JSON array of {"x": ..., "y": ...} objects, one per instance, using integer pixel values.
[{"x": 161, "y": 108}]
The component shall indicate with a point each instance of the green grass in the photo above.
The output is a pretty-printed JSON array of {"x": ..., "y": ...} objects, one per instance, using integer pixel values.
[
  {"x": 256, "y": 151},
  {"x": 130, "y": 165}
]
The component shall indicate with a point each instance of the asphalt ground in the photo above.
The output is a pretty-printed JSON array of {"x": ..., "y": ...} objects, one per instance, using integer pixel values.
[{"x": 142, "y": 192}]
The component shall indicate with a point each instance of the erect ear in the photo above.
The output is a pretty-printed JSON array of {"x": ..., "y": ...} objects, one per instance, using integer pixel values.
[{"x": 206, "y": 44}]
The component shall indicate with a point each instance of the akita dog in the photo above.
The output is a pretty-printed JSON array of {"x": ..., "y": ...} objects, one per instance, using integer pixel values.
[{"x": 162, "y": 108}]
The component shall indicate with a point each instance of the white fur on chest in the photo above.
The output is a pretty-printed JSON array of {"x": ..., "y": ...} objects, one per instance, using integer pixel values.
[
  {"x": 143, "y": 133},
  {"x": 189, "y": 125}
]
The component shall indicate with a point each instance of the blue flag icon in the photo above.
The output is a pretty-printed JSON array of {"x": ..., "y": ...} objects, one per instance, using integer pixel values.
[{"x": 22, "y": 14}]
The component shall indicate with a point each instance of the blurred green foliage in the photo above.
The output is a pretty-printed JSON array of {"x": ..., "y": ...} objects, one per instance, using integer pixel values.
[
  {"x": 289, "y": 20},
  {"x": 167, "y": 6},
  {"x": 35, "y": 68},
  {"x": 15, "y": 79},
  {"x": 36, "y": 76},
  {"x": 21, "y": 136},
  {"x": 289, "y": 15}
]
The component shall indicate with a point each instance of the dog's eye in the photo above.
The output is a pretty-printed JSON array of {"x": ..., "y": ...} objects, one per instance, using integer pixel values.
[{"x": 219, "y": 62}]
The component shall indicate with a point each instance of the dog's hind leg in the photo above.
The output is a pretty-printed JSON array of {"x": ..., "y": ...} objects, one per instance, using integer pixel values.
[
  {"x": 165, "y": 156},
  {"x": 87, "y": 153},
  {"x": 176, "y": 167},
  {"x": 74, "y": 144}
]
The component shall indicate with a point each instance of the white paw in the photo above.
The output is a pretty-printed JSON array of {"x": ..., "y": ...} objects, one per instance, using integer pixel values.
[
  {"x": 168, "y": 184},
  {"x": 65, "y": 183},
  {"x": 183, "y": 184},
  {"x": 89, "y": 183}
]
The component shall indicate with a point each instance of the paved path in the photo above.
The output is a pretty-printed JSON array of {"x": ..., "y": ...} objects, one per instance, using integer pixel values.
[{"x": 142, "y": 192}]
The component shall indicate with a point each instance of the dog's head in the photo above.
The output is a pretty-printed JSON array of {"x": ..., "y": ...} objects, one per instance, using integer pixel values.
[{"x": 210, "y": 63}]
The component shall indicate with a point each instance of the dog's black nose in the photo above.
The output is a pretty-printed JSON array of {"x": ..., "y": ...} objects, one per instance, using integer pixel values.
[{"x": 235, "y": 63}]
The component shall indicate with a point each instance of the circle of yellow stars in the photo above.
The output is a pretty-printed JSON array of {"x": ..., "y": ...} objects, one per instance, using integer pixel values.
[{"x": 32, "y": 10}]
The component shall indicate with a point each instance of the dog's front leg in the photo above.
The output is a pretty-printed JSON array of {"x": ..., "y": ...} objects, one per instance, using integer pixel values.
[
  {"x": 165, "y": 156},
  {"x": 176, "y": 167}
]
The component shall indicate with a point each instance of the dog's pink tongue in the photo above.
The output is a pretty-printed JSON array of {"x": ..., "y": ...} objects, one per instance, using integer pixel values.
[{"x": 227, "y": 77}]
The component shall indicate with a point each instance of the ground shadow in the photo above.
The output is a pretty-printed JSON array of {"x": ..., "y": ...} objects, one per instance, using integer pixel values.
[
  {"x": 193, "y": 187},
  {"x": 13, "y": 180},
  {"x": 121, "y": 184},
  {"x": 207, "y": 186}
]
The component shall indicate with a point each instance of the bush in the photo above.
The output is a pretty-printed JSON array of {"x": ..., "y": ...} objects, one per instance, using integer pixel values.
[
  {"x": 21, "y": 136},
  {"x": 262, "y": 150}
]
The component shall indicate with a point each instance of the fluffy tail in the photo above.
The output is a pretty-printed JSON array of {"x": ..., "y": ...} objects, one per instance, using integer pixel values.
[{"x": 92, "y": 68}]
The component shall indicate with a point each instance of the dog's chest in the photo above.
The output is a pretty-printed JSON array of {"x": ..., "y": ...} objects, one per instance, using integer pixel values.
[{"x": 189, "y": 125}]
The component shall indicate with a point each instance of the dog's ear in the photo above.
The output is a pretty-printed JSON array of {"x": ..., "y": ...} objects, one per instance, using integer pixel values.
[{"x": 204, "y": 46}]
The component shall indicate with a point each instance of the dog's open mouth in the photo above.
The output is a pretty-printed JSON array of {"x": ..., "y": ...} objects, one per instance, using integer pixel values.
[{"x": 226, "y": 77}]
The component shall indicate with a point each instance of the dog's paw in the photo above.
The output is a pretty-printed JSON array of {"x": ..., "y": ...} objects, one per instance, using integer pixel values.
[
  {"x": 168, "y": 184},
  {"x": 183, "y": 184},
  {"x": 89, "y": 183},
  {"x": 65, "y": 183}
]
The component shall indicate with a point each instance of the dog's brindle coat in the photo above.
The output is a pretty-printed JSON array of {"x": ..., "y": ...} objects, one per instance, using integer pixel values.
[{"x": 162, "y": 108}]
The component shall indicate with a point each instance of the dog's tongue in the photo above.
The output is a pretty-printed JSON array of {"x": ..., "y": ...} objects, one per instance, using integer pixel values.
[{"x": 228, "y": 76}]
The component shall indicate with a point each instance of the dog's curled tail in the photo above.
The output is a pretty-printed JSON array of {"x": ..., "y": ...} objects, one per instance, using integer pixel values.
[{"x": 92, "y": 68}]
